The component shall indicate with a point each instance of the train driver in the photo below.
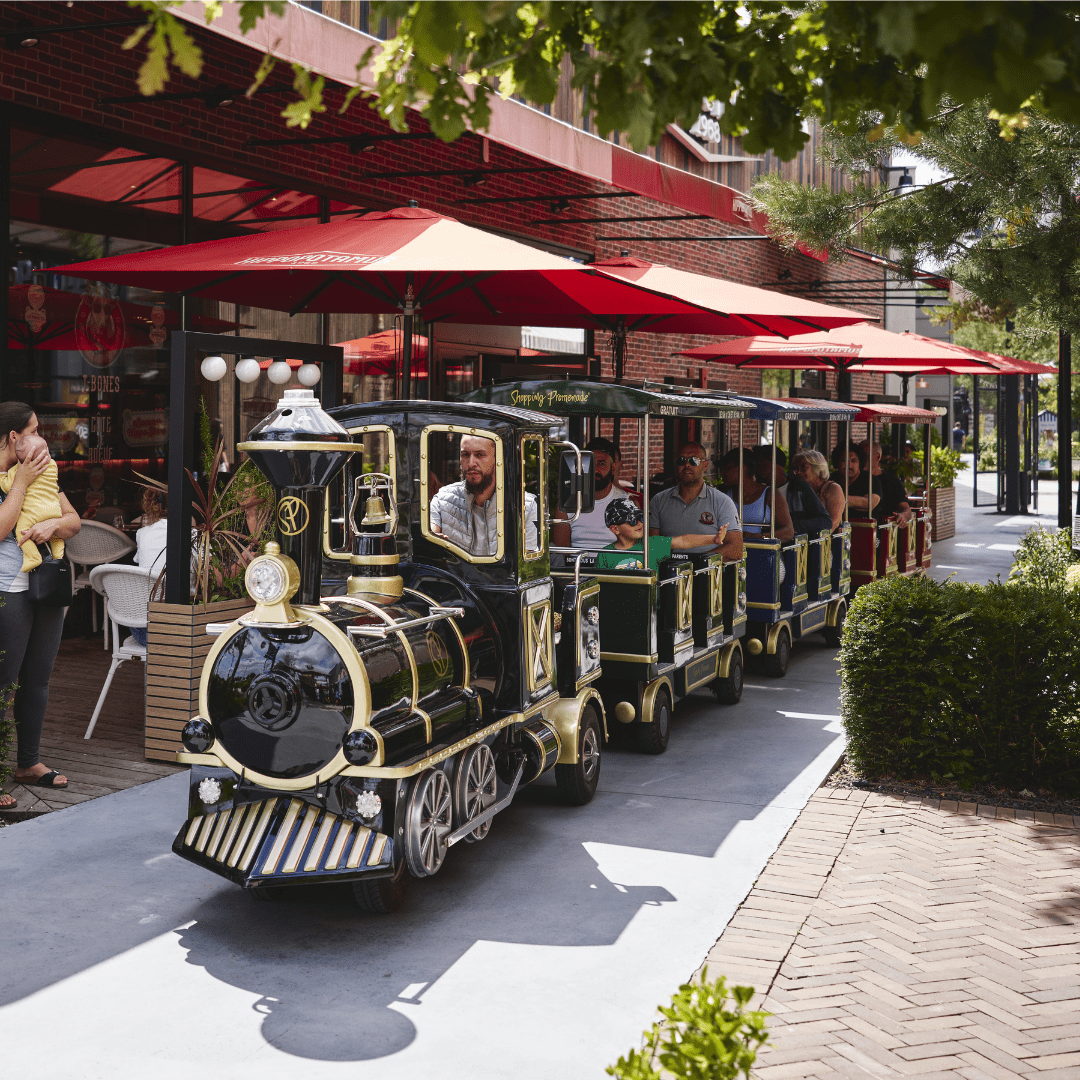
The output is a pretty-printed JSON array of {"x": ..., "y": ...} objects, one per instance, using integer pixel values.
[
  {"x": 467, "y": 512},
  {"x": 625, "y": 521},
  {"x": 693, "y": 504}
]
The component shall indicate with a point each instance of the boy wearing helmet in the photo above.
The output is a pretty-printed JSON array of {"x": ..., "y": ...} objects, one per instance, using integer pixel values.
[{"x": 625, "y": 519}]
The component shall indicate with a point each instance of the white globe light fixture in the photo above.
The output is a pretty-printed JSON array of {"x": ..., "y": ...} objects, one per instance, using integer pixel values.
[
  {"x": 279, "y": 372},
  {"x": 309, "y": 374},
  {"x": 213, "y": 368},
  {"x": 247, "y": 370}
]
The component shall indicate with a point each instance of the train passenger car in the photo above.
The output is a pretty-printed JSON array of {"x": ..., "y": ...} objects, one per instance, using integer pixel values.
[
  {"x": 404, "y": 671},
  {"x": 880, "y": 549},
  {"x": 796, "y": 586},
  {"x": 666, "y": 630}
]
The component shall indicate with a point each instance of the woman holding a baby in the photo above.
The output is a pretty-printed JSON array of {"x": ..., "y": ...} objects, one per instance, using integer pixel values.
[{"x": 29, "y": 634}]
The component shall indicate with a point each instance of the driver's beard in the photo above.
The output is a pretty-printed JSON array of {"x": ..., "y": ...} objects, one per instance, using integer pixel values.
[{"x": 486, "y": 482}]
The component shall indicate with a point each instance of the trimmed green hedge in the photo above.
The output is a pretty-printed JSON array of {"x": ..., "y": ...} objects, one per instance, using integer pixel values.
[{"x": 976, "y": 683}]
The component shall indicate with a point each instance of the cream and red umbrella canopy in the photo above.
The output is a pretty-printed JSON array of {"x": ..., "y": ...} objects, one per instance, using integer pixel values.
[
  {"x": 456, "y": 273},
  {"x": 847, "y": 348},
  {"x": 746, "y": 305}
]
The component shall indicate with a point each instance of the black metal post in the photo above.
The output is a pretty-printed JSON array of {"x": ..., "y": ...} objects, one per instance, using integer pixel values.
[
  {"x": 407, "y": 339},
  {"x": 1064, "y": 430},
  {"x": 5, "y": 244},
  {"x": 1011, "y": 423},
  {"x": 183, "y": 441},
  {"x": 187, "y": 215}
]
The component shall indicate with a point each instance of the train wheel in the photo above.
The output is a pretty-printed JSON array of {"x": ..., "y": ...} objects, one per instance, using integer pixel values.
[
  {"x": 832, "y": 634},
  {"x": 653, "y": 737},
  {"x": 428, "y": 821},
  {"x": 776, "y": 664},
  {"x": 729, "y": 690},
  {"x": 474, "y": 788},
  {"x": 382, "y": 896},
  {"x": 577, "y": 783}
]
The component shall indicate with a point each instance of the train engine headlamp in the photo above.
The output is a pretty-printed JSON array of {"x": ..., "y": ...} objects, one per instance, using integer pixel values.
[
  {"x": 197, "y": 736},
  {"x": 271, "y": 581},
  {"x": 360, "y": 747}
]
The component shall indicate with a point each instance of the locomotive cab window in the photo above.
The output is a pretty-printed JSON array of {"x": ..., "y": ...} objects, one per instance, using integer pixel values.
[
  {"x": 461, "y": 491},
  {"x": 533, "y": 510},
  {"x": 377, "y": 455}
]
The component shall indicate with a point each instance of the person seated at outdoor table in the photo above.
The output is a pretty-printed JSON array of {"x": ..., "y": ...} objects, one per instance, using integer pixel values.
[
  {"x": 466, "y": 512},
  {"x": 589, "y": 531},
  {"x": 757, "y": 497},
  {"x": 862, "y": 495},
  {"x": 150, "y": 544},
  {"x": 625, "y": 521},
  {"x": 894, "y": 505},
  {"x": 810, "y": 468},
  {"x": 42, "y": 501},
  {"x": 692, "y": 504}
]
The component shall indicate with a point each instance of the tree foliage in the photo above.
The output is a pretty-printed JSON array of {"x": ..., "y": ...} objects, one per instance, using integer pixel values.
[
  {"x": 1004, "y": 220},
  {"x": 642, "y": 64}
]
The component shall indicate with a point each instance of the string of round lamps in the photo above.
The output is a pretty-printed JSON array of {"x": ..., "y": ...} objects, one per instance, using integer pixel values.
[{"x": 248, "y": 369}]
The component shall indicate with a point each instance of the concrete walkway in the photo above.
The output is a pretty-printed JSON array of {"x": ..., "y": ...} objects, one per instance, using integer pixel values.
[{"x": 895, "y": 938}]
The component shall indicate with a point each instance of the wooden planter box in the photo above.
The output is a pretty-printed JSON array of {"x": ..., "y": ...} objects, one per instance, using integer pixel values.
[
  {"x": 177, "y": 646},
  {"x": 943, "y": 508}
]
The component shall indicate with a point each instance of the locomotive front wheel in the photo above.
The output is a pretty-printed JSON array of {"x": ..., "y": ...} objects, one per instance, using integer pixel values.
[
  {"x": 832, "y": 633},
  {"x": 385, "y": 895},
  {"x": 776, "y": 664},
  {"x": 729, "y": 690},
  {"x": 428, "y": 821},
  {"x": 577, "y": 783},
  {"x": 653, "y": 737}
]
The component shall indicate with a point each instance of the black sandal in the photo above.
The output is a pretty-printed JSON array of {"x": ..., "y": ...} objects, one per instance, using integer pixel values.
[{"x": 46, "y": 780}]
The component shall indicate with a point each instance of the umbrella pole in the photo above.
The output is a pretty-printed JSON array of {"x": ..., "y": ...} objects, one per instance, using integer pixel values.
[{"x": 407, "y": 342}]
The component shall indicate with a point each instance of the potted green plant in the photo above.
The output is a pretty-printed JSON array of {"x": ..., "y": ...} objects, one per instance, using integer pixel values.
[
  {"x": 944, "y": 466},
  {"x": 232, "y": 520}
]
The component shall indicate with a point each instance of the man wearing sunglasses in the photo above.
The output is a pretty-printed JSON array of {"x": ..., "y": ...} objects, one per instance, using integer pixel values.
[
  {"x": 625, "y": 520},
  {"x": 694, "y": 507}
]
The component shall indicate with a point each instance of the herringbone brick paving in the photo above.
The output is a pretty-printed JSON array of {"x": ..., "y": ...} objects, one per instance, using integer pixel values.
[{"x": 903, "y": 937}]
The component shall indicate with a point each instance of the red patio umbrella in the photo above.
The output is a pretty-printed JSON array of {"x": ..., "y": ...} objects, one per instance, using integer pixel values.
[
  {"x": 420, "y": 262},
  {"x": 773, "y": 312},
  {"x": 848, "y": 348}
]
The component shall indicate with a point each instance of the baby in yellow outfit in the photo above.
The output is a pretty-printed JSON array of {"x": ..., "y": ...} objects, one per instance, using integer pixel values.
[{"x": 42, "y": 500}]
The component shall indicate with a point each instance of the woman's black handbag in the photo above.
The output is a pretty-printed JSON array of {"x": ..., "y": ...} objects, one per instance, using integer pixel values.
[{"x": 50, "y": 583}]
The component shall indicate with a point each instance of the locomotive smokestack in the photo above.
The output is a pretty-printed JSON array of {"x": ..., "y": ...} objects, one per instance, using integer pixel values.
[{"x": 299, "y": 448}]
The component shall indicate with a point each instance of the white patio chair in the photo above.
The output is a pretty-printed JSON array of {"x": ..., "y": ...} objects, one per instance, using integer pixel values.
[
  {"x": 93, "y": 545},
  {"x": 127, "y": 592}
]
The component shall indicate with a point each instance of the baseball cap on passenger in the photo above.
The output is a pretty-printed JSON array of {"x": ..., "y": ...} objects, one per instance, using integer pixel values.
[{"x": 622, "y": 512}]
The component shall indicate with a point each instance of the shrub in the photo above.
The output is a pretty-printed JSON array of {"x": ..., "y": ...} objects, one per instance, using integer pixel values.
[
  {"x": 977, "y": 683},
  {"x": 1043, "y": 558},
  {"x": 944, "y": 465},
  {"x": 703, "y": 1039}
]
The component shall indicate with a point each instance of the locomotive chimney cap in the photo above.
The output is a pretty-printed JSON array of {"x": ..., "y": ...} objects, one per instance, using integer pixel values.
[{"x": 299, "y": 445}]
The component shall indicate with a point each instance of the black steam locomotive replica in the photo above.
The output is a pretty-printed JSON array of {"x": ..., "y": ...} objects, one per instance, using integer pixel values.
[{"x": 408, "y": 664}]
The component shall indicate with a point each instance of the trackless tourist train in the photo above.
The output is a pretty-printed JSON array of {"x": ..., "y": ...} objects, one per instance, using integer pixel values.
[
  {"x": 418, "y": 649},
  {"x": 409, "y": 662}
]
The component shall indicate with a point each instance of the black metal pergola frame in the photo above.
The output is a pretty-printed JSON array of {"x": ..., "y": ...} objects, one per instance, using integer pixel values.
[{"x": 188, "y": 348}]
